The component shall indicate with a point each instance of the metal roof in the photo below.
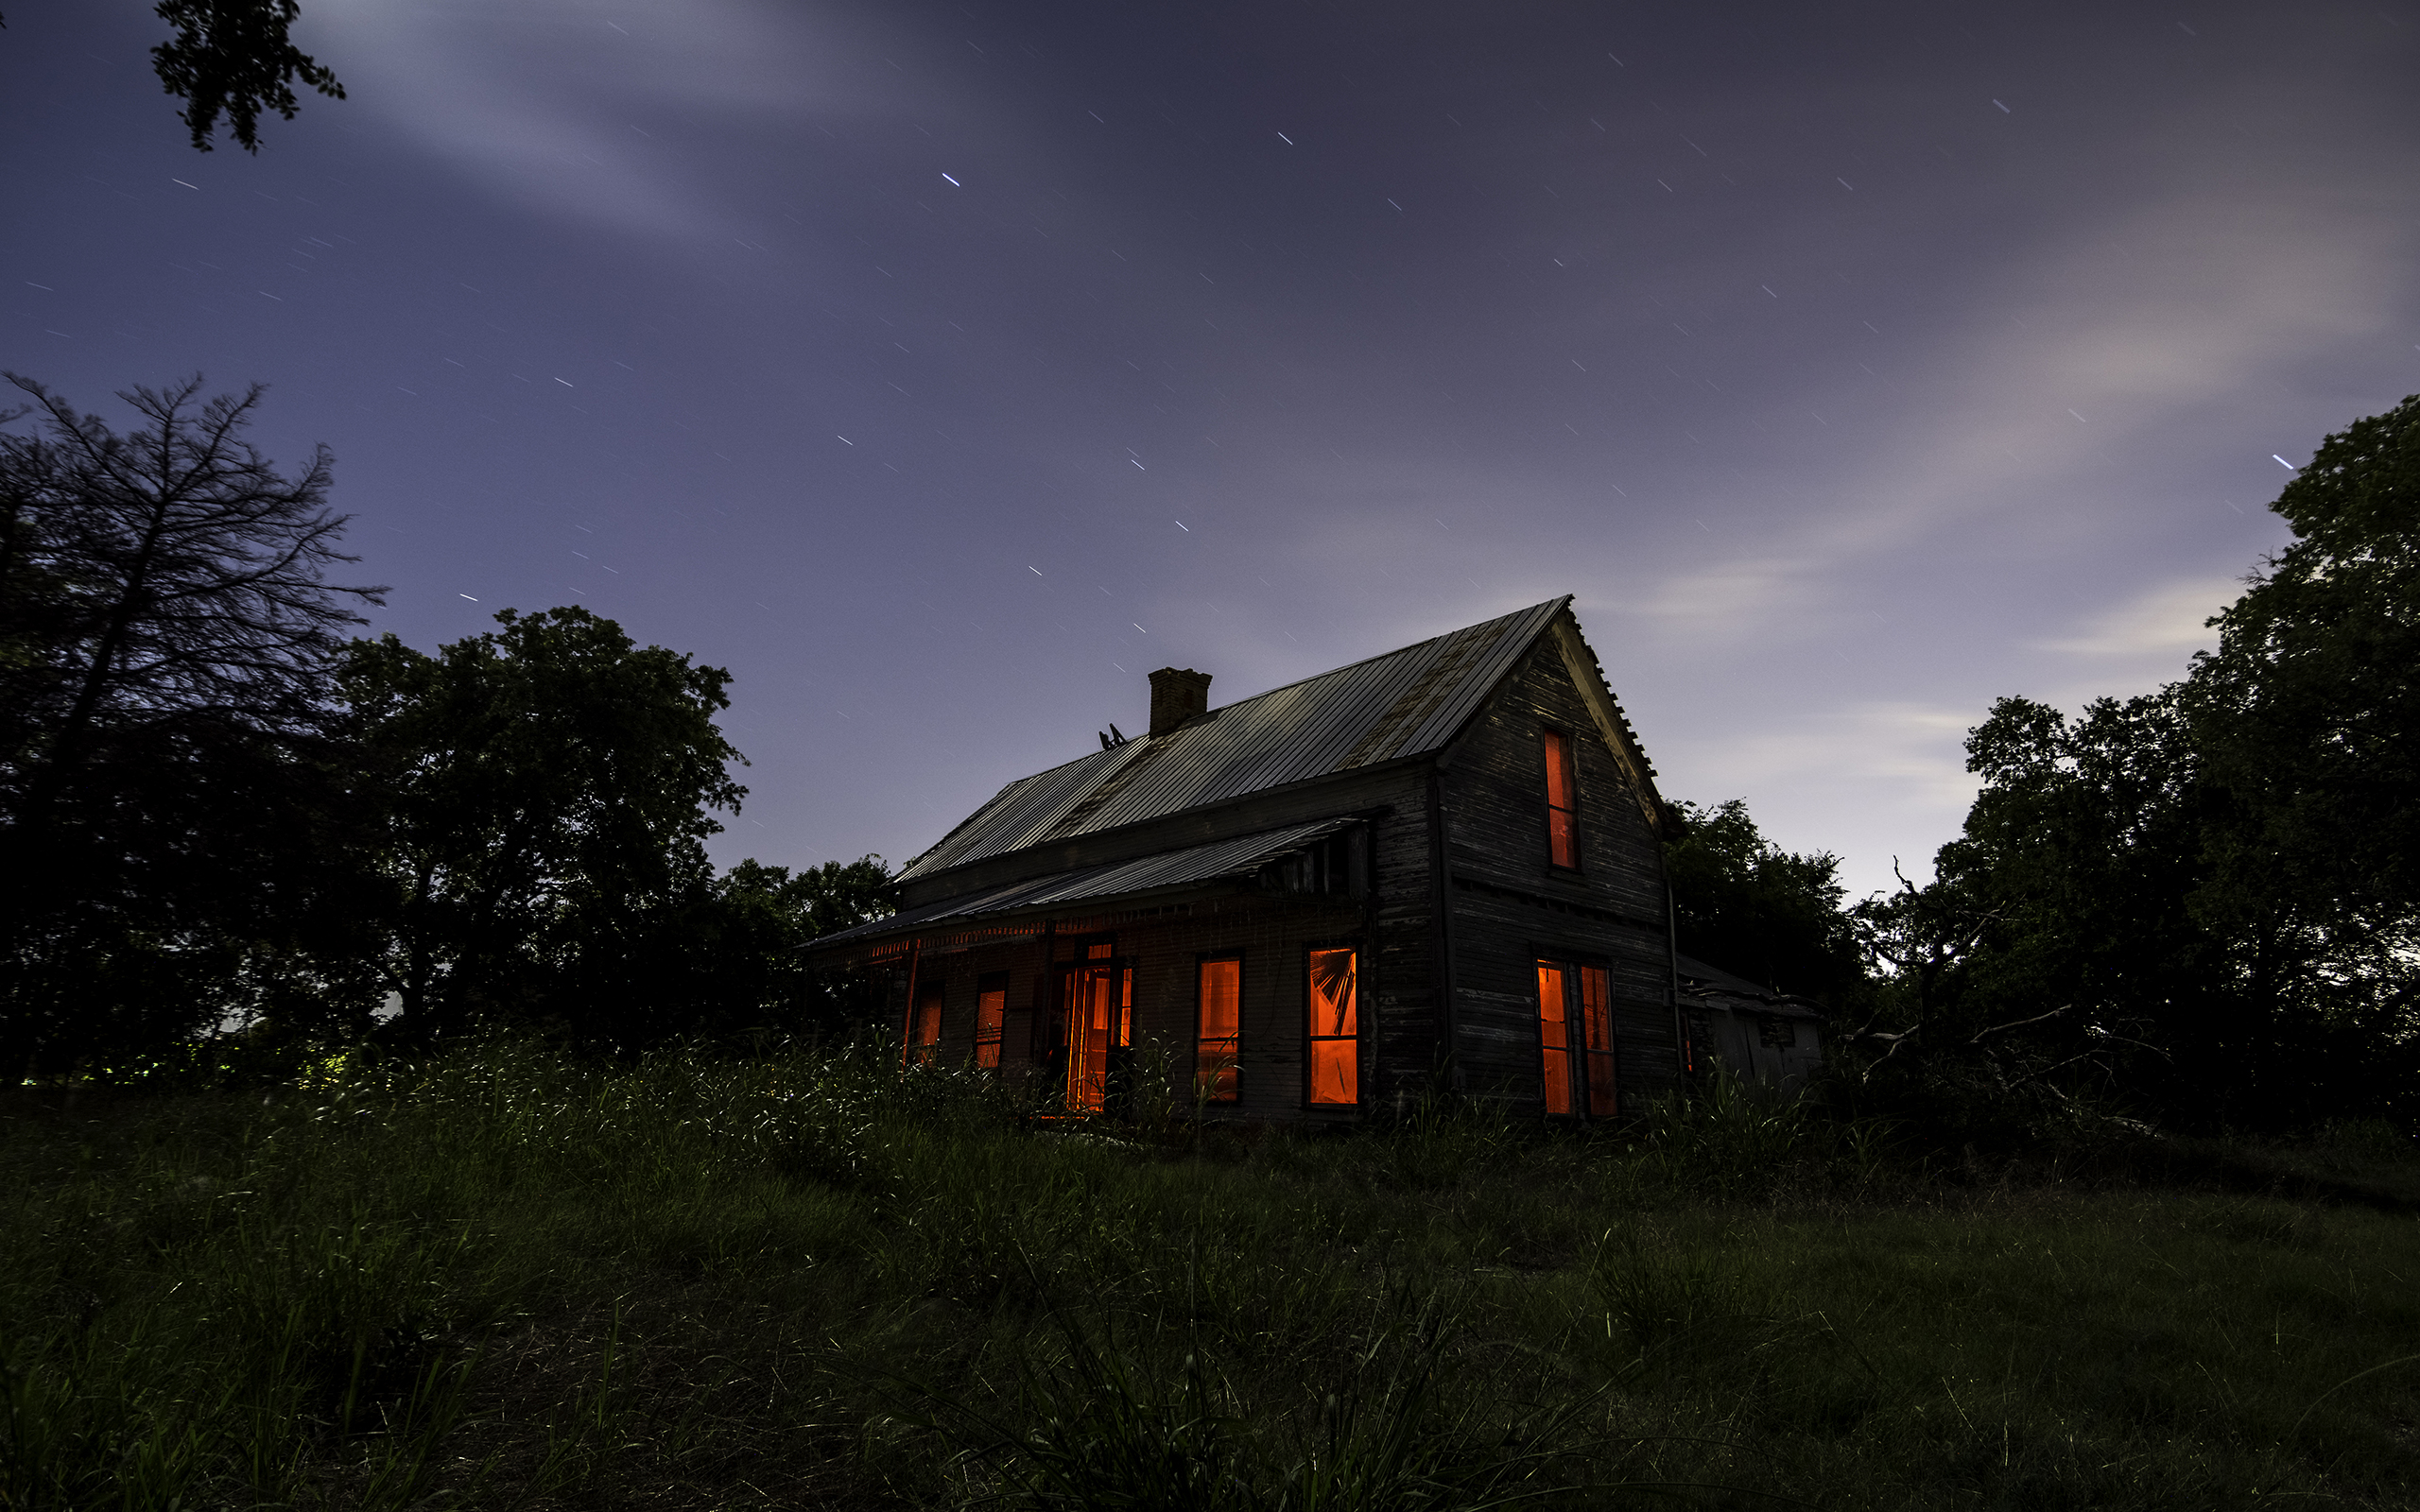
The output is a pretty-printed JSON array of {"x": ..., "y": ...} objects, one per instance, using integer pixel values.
[
  {"x": 1195, "y": 866},
  {"x": 1404, "y": 703},
  {"x": 1700, "y": 980}
]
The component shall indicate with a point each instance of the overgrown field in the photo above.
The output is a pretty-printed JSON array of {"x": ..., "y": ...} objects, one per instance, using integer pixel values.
[{"x": 504, "y": 1277}]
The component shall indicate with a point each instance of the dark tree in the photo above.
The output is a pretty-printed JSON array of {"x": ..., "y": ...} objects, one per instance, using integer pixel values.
[
  {"x": 2308, "y": 721},
  {"x": 167, "y": 630},
  {"x": 2207, "y": 899},
  {"x": 2056, "y": 952},
  {"x": 544, "y": 793},
  {"x": 232, "y": 57},
  {"x": 733, "y": 961},
  {"x": 1743, "y": 903}
]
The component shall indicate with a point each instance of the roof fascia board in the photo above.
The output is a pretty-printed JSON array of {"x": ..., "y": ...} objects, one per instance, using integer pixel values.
[
  {"x": 1215, "y": 887},
  {"x": 1107, "y": 903},
  {"x": 1589, "y": 677}
]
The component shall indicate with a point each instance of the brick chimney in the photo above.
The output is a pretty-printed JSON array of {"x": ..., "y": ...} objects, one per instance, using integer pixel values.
[{"x": 1177, "y": 696}]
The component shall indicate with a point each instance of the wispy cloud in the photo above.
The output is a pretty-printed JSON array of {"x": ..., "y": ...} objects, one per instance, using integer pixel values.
[
  {"x": 578, "y": 107},
  {"x": 2135, "y": 326},
  {"x": 2165, "y": 622}
]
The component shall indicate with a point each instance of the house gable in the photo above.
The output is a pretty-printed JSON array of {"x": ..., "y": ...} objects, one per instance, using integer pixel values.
[{"x": 1512, "y": 907}]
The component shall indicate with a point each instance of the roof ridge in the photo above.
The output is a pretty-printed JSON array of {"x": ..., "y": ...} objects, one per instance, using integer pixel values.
[{"x": 1459, "y": 630}]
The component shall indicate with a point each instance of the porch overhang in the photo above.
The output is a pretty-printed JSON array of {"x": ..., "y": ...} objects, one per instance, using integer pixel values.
[{"x": 1019, "y": 910}]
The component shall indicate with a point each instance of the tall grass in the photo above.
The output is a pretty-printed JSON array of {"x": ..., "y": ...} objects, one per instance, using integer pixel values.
[{"x": 504, "y": 1277}]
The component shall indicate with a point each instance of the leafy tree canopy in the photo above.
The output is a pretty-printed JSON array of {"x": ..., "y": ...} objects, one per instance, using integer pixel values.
[
  {"x": 1745, "y": 905},
  {"x": 232, "y": 58},
  {"x": 2308, "y": 717},
  {"x": 2206, "y": 898},
  {"x": 546, "y": 792}
]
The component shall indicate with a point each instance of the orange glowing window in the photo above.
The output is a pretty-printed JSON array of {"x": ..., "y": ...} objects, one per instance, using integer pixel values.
[
  {"x": 1335, "y": 1029},
  {"x": 1099, "y": 1009},
  {"x": 1596, "y": 1037},
  {"x": 1220, "y": 992},
  {"x": 1555, "y": 1034},
  {"x": 1562, "y": 801},
  {"x": 991, "y": 1015},
  {"x": 924, "y": 1024}
]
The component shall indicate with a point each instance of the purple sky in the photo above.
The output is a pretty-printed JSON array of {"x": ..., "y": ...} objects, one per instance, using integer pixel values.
[{"x": 940, "y": 369}]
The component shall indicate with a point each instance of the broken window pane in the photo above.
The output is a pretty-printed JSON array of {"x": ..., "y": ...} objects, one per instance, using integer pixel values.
[
  {"x": 1334, "y": 1028},
  {"x": 1554, "y": 1041},
  {"x": 1219, "y": 992}
]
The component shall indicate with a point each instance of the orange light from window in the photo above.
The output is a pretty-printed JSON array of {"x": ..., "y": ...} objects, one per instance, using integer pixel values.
[
  {"x": 990, "y": 1014},
  {"x": 1221, "y": 987},
  {"x": 1562, "y": 802},
  {"x": 1335, "y": 1037},
  {"x": 1554, "y": 1038},
  {"x": 1596, "y": 1030},
  {"x": 926, "y": 1042},
  {"x": 1093, "y": 1019}
]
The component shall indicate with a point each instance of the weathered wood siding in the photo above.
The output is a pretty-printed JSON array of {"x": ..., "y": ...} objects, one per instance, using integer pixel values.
[
  {"x": 1510, "y": 907},
  {"x": 1271, "y": 937}
]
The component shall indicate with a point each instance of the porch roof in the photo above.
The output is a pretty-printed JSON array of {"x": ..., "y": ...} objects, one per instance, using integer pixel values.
[{"x": 1231, "y": 862}]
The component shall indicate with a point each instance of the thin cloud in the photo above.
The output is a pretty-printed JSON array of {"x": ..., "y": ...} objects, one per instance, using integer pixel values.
[
  {"x": 2133, "y": 327},
  {"x": 2168, "y": 622},
  {"x": 546, "y": 103}
]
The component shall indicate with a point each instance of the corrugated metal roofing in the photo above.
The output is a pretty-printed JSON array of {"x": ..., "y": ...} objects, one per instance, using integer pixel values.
[
  {"x": 1236, "y": 858},
  {"x": 1400, "y": 704}
]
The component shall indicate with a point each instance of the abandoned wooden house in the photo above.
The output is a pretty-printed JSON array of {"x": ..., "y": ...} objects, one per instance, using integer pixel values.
[{"x": 1441, "y": 861}]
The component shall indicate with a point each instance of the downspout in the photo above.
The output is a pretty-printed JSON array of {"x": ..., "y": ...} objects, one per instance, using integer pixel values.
[{"x": 1681, "y": 1043}]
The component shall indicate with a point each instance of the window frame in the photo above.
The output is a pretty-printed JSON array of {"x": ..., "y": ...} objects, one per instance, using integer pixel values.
[
  {"x": 1312, "y": 1040},
  {"x": 924, "y": 1033},
  {"x": 1095, "y": 953},
  {"x": 1235, "y": 1070},
  {"x": 991, "y": 1033},
  {"x": 1550, "y": 738},
  {"x": 1555, "y": 1082},
  {"x": 1581, "y": 1057},
  {"x": 1591, "y": 1054}
]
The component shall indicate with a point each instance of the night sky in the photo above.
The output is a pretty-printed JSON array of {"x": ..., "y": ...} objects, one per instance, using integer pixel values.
[{"x": 942, "y": 369}]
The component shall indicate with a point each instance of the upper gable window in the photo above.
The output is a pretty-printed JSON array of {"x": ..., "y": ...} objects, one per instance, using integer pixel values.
[{"x": 1562, "y": 802}]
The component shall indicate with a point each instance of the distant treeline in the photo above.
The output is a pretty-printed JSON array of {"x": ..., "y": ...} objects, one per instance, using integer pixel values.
[
  {"x": 220, "y": 809},
  {"x": 2200, "y": 906}
]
